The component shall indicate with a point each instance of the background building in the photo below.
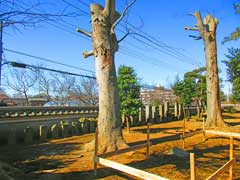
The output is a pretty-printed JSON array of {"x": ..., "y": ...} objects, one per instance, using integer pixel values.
[{"x": 157, "y": 95}]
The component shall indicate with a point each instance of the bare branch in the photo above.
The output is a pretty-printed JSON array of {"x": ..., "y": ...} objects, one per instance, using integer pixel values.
[
  {"x": 86, "y": 54},
  {"x": 200, "y": 24},
  {"x": 122, "y": 15},
  {"x": 191, "y": 28},
  {"x": 84, "y": 32},
  {"x": 191, "y": 14}
]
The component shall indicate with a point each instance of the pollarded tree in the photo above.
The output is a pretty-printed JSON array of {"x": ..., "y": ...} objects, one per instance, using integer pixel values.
[
  {"x": 207, "y": 30},
  {"x": 104, "y": 21},
  {"x": 129, "y": 92}
]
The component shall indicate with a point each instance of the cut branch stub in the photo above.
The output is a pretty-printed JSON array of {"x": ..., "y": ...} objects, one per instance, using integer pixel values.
[
  {"x": 108, "y": 40},
  {"x": 88, "y": 34},
  {"x": 86, "y": 54}
]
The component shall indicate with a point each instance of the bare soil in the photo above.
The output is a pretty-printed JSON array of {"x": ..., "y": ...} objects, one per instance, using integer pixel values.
[{"x": 65, "y": 159}]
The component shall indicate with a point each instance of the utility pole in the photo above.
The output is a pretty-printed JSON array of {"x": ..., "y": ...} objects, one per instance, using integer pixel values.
[{"x": 1, "y": 52}]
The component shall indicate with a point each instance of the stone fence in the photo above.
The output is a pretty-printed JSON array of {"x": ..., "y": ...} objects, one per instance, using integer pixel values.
[{"x": 37, "y": 124}]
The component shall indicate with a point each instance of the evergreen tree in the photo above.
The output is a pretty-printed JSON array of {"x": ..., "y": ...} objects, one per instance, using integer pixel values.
[
  {"x": 235, "y": 34},
  {"x": 233, "y": 71},
  {"x": 129, "y": 91}
]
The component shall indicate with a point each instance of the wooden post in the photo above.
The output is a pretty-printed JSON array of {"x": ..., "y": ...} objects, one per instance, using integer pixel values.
[
  {"x": 148, "y": 141},
  {"x": 204, "y": 134},
  {"x": 192, "y": 166},
  {"x": 95, "y": 152},
  {"x": 183, "y": 135},
  {"x": 230, "y": 158}
]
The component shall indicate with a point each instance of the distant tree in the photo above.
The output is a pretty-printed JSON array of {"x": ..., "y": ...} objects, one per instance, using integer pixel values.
[
  {"x": 233, "y": 71},
  {"x": 45, "y": 85},
  {"x": 192, "y": 88},
  {"x": 22, "y": 81},
  {"x": 63, "y": 86},
  {"x": 235, "y": 34},
  {"x": 129, "y": 91},
  {"x": 223, "y": 97},
  {"x": 86, "y": 91},
  {"x": 29, "y": 13}
]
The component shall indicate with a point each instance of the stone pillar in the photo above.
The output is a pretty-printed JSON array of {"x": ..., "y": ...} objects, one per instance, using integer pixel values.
[
  {"x": 75, "y": 128},
  {"x": 85, "y": 126},
  {"x": 92, "y": 125},
  {"x": 161, "y": 112},
  {"x": 28, "y": 135},
  {"x": 154, "y": 114},
  {"x": 166, "y": 110},
  {"x": 65, "y": 129},
  {"x": 12, "y": 139},
  {"x": 176, "y": 110},
  {"x": 148, "y": 113},
  {"x": 54, "y": 131},
  {"x": 43, "y": 131},
  {"x": 180, "y": 111}
]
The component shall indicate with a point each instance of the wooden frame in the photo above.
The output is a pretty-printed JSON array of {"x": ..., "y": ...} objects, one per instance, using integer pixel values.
[
  {"x": 99, "y": 159},
  {"x": 129, "y": 170},
  {"x": 225, "y": 167}
]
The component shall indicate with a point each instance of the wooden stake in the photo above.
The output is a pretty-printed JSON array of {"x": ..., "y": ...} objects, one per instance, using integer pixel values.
[
  {"x": 230, "y": 158},
  {"x": 183, "y": 136},
  {"x": 148, "y": 141},
  {"x": 95, "y": 152},
  {"x": 192, "y": 166},
  {"x": 204, "y": 135}
]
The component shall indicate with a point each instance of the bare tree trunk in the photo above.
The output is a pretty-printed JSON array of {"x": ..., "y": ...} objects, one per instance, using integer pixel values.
[
  {"x": 105, "y": 45},
  {"x": 207, "y": 31},
  {"x": 214, "y": 116}
]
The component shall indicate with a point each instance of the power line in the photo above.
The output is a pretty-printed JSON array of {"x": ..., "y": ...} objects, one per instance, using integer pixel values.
[
  {"x": 156, "y": 44},
  {"x": 44, "y": 59},
  {"x": 22, "y": 65}
]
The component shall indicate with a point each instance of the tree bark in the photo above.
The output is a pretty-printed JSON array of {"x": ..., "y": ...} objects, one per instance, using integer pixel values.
[
  {"x": 105, "y": 45},
  {"x": 207, "y": 30}
]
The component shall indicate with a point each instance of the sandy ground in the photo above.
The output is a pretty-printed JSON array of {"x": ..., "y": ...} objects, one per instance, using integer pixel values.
[{"x": 65, "y": 159}]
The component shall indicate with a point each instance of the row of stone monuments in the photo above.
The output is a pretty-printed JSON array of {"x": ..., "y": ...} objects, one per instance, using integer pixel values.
[
  {"x": 161, "y": 113},
  {"x": 62, "y": 130},
  {"x": 43, "y": 132}
]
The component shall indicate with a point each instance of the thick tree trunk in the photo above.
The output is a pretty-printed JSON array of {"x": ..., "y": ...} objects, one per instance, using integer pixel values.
[
  {"x": 207, "y": 30},
  {"x": 214, "y": 115},
  {"x": 105, "y": 45}
]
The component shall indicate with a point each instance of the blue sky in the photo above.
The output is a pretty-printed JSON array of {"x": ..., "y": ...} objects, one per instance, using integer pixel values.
[{"x": 163, "y": 20}]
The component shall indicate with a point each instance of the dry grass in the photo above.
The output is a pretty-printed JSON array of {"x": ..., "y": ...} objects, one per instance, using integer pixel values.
[{"x": 64, "y": 159}]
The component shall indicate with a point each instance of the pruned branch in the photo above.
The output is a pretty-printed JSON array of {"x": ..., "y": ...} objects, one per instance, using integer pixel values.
[
  {"x": 191, "y": 28},
  {"x": 122, "y": 15},
  {"x": 88, "y": 34},
  {"x": 87, "y": 54},
  {"x": 200, "y": 24}
]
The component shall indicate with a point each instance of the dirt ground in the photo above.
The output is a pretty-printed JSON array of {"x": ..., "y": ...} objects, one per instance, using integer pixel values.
[{"x": 65, "y": 159}]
